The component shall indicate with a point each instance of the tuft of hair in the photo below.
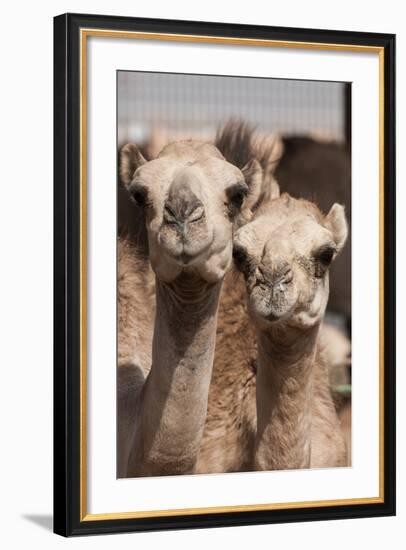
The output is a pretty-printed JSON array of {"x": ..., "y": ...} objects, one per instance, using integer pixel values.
[{"x": 238, "y": 143}]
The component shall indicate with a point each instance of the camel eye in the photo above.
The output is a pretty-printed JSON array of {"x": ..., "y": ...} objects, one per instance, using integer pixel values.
[
  {"x": 238, "y": 199},
  {"x": 236, "y": 195},
  {"x": 138, "y": 193},
  {"x": 325, "y": 255}
]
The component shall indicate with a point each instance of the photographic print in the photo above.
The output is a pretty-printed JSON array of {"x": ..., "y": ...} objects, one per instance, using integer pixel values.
[
  {"x": 224, "y": 274},
  {"x": 234, "y": 274}
]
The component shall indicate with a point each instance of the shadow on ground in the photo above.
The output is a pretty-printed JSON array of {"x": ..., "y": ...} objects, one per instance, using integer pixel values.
[{"x": 42, "y": 520}]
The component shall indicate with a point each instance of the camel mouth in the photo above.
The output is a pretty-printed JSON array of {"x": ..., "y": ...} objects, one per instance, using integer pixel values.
[
  {"x": 271, "y": 314},
  {"x": 184, "y": 249},
  {"x": 186, "y": 259},
  {"x": 189, "y": 256},
  {"x": 275, "y": 316},
  {"x": 271, "y": 304}
]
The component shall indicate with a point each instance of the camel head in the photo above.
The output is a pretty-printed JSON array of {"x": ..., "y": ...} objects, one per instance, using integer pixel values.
[
  {"x": 191, "y": 197},
  {"x": 285, "y": 254}
]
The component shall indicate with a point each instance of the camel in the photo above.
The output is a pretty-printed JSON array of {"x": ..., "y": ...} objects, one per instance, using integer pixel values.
[
  {"x": 190, "y": 197},
  {"x": 176, "y": 417},
  {"x": 285, "y": 254},
  {"x": 229, "y": 435}
]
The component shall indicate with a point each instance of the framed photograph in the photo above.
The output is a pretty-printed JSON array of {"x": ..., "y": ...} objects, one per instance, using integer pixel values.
[{"x": 224, "y": 251}]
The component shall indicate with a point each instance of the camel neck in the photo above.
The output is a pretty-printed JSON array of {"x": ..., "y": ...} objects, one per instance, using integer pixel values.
[
  {"x": 175, "y": 395},
  {"x": 185, "y": 329},
  {"x": 287, "y": 348},
  {"x": 286, "y": 357},
  {"x": 187, "y": 298}
]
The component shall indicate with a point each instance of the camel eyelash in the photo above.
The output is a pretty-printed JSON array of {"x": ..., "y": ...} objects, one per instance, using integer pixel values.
[
  {"x": 139, "y": 195},
  {"x": 236, "y": 195},
  {"x": 325, "y": 255}
]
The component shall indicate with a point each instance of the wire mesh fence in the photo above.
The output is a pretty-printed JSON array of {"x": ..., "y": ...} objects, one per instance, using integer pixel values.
[{"x": 195, "y": 105}]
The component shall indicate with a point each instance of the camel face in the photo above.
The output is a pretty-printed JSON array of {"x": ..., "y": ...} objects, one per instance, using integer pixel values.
[
  {"x": 190, "y": 196},
  {"x": 285, "y": 254}
]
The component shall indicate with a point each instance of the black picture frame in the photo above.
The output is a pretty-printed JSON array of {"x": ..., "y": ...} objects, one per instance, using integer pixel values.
[{"x": 67, "y": 353}]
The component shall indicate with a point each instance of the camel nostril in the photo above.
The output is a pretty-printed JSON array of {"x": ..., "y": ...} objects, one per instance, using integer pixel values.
[
  {"x": 196, "y": 215},
  {"x": 275, "y": 276},
  {"x": 261, "y": 276},
  {"x": 170, "y": 216},
  {"x": 287, "y": 276},
  {"x": 179, "y": 211}
]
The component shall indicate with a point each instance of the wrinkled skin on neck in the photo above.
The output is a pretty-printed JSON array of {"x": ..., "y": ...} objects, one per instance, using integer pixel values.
[{"x": 174, "y": 401}]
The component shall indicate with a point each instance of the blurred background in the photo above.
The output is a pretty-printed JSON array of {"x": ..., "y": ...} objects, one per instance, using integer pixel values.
[
  {"x": 311, "y": 122},
  {"x": 179, "y": 104}
]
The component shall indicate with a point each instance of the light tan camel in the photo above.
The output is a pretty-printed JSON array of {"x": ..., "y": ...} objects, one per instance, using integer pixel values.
[
  {"x": 229, "y": 435},
  {"x": 285, "y": 254},
  {"x": 175, "y": 442},
  {"x": 191, "y": 197}
]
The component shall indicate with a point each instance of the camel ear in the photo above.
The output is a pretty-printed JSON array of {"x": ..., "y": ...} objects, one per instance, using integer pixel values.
[
  {"x": 130, "y": 160},
  {"x": 336, "y": 222},
  {"x": 273, "y": 148},
  {"x": 253, "y": 175},
  {"x": 275, "y": 191}
]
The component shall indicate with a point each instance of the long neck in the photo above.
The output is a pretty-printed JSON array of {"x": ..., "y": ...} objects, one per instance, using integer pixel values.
[
  {"x": 284, "y": 397},
  {"x": 174, "y": 401}
]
